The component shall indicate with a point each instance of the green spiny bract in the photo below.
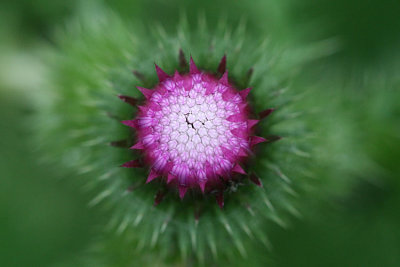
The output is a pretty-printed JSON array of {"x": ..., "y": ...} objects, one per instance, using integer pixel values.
[{"x": 79, "y": 117}]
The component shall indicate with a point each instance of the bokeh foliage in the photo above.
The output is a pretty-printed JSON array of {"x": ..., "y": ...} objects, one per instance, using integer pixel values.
[{"x": 350, "y": 219}]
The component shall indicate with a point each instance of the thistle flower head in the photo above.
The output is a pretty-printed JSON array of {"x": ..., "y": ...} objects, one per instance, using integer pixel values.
[{"x": 194, "y": 129}]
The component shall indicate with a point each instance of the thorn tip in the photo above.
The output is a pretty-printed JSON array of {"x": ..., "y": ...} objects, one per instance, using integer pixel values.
[
  {"x": 182, "y": 191},
  {"x": 153, "y": 175},
  {"x": 193, "y": 67},
  {"x": 224, "y": 78},
  {"x": 266, "y": 113},
  {"x": 222, "y": 65},
  {"x": 146, "y": 92},
  {"x": 161, "y": 74},
  {"x": 238, "y": 169},
  {"x": 132, "y": 164},
  {"x": 128, "y": 99}
]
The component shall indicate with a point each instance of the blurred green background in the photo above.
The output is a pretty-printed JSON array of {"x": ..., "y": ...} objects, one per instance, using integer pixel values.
[{"x": 44, "y": 216}]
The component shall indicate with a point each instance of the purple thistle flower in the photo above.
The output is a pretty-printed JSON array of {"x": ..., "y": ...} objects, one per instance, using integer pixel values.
[{"x": 194, "y": 130}]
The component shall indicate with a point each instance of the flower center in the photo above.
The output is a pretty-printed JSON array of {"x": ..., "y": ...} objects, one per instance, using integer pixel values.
[{"x": 194, "y": 126}]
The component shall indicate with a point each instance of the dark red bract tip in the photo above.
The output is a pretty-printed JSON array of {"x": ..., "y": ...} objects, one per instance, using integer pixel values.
[{"x": 222, "y": 65}]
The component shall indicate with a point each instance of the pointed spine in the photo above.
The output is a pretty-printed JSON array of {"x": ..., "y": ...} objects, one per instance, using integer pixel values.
[
  {"x": 167, "y": 168},
  {"x": 162, "y": 76},
  {"x": 222, "y": 65},
  {"x": 249, "y": 74},
  {"x": 146, "y": 92},
  {"x": 273, "y": 138},
  {"x": 128, "y": 99},
  {"x": 131, "y": 123},
  {"x": 252, "y": 123},
  {"x": 257, "y": 140},
  {"x": 182, "y": 191},
  {"x": 177, "y": 76},
  {"x": 202, "y": 185},
  {"x": 158, "y": 198},
  {"x": 244, "y": 93},
  {"x": 138, "y": 145},
  {"x": 224, "y": 79},
  {"x": 182, "y": 60},
  {"x": 153, "y": 175},
  {"x": 254, "y": 178},
  {"x": 119, "y": 143},
  {"x": 238, "y": 169},
  {"x": 266, "y": 113},
  {"x": 132, "y": 164},
  {"x": 139, "y": 75},
  {"x": 193, "y": 67}
]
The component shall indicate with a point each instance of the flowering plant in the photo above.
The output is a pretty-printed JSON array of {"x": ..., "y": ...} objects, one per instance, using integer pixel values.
[{"x": 196, "y": 129}]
